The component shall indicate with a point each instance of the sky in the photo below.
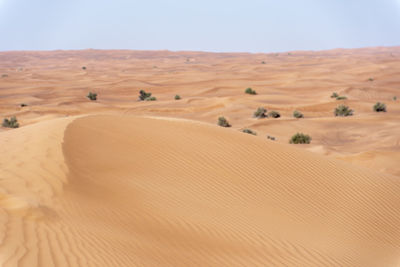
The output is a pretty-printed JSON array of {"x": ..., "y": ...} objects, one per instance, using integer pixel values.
[{"x": 203, "y": 25}]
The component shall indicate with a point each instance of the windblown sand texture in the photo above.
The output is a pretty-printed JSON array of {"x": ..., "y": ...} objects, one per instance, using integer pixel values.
[{"x": 117, "y": 182}]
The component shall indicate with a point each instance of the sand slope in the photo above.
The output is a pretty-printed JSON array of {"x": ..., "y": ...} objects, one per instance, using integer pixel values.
[{"x": 140, "y": 191}]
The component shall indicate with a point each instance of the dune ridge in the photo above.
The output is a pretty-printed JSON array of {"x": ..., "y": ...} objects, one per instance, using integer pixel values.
[{"x": 109, "y": 190}]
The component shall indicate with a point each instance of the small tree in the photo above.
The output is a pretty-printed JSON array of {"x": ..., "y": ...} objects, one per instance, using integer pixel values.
[
  {"x": 143, "y": 95},
  {"x": 379, "y": 107},
  {"x": 274, "y": 114},
  {"x": 297, "y": 114},
  {"x": 177, "y": 97},
  {"x": 223, "y": 122},
  {"x": 248, "y": 131},
  {"x": 92, "y": 96},
  {"x": 343, "y": 111},
  {"x": 10, "y": 123},
  {"x": 260, "y": 113},
  {"x": 250, "y": 91},
  {"x": 334, "y": 95},
  {"x": 300, "y": 138}
]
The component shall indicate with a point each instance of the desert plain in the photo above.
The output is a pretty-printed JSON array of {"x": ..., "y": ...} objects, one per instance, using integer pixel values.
[{"x": 122, "y": 182}]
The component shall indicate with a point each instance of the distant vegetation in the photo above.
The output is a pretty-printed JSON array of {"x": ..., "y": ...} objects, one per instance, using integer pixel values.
[
  {"x": 371, "y": 79},
  {"x": 394, "y": 98},
  {"x": 250, "y": 91},
  {"x": 262, "y": 62},
  {"x": 297, "y": 114},
  {"x": 271, "y": 137},
  {"x": 92, "y": 96},
  {"x": 84, "y": 68},
  {"x": 260, "y": 113},
  {"x": 248, "y": 131},
  {"x": 379, "y": 107},
  {"x": 145, "y": 96},
  {"x": 343, "y": 111},
  {"x": 177, "y": 97},
  {"x": 300, "y": 138},
  {"x": 4, "y": 75},
  {"x": 341, "y": 98},
  {"x": 274, "y": 114},
  {"x": 334, "y": 95},
  {"x": 223, "y": 122},
  {"x": 23, "y": 105},
  {"x": 10, "y": 123}
]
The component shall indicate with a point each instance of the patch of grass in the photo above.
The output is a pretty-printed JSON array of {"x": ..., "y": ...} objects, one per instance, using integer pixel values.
[
  {"x": 297, "y": 114},
  {"x": 260, "y": 113},
  {"x": 274, "y": 114},
  {"x": 300, "y": 138},
  {"x": 341, "y": 98},
  {"x": 334, "y": 95},
  {"x": 250, "y": 91},
  {"x": 343, "y": 111},
  {"x": 92, "y": 96},
  {"x": 10, "y": 123},
  {"x": 379, "y": 107},
  {"x": 223, "y": 122},
  {"x": 248, "y": 131},
  {"x": 177, "y": 97}
]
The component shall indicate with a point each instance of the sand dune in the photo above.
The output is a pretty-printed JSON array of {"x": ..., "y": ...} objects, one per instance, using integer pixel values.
[{"x": 112, "y": 190}]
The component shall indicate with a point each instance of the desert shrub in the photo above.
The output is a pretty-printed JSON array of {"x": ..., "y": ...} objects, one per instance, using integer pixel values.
[
  {"x": 248, "y": 131},
  {"x": 4, "y": 75},
  {"x": 84, "y": 68},
  {"x": 334, "y": 95},
  {"x": 271, "y": 137},
  {"x": 262, "y": 62},
  {"x": 341, "y": 98},
  {"x": 379, "y": 107},
  {"x": 297, "y": 114},
  {"x": 260, "y": 113},
  {"x": 274, "y": 114},
  {"x": 143, "y": 95},
  {"x": 371, "y": 79},
  {"x": 250, "y": 91},
  {"x": 177, "y": 97},
  {"x": 23, "y": 105},
  {"x": 300, "y": 138},
  {"x": 223, "y": 122},
  {"x": 394, "y": 98},
  {"x": 343, "y": 111},
  {"x": 151, "y": 98},
  {"x": 92, "y": 96},
  {"x": 10, "y": 123}
]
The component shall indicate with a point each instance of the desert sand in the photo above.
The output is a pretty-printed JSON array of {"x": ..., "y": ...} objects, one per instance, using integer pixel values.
[{"x": 118, "y": 182}]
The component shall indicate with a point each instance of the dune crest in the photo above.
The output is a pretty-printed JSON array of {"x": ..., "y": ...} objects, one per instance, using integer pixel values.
[{"x": 140, "y": 191}]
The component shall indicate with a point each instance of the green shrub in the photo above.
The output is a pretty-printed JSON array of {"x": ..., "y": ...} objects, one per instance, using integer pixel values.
[
  {"x": 274, "y": 114},
  {"x": 260, "y": 113},
  {"x": 379, "y": 107},
  {"x": 334, "y": 95},
  {"x": 300, "y": 138},
  {"x": 297, "y": 114},
  {"x": 92, "y": 96},
  {"x": 250, "y": 91},
  {"x": 151, "y": 98},
  {"x": 371, "y": 79},
  {"x": 143, "y": 95},
  {"x": 343, "y": 111},
  {"x": 248, "y": 131},
  {"x": 10, "y": 123},
  {"x": 223, "y": 122},
  {"x": 341, "y": 98},
  {"x": 177, "y": 97}
]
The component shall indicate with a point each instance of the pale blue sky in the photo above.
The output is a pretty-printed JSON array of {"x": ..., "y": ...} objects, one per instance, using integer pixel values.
[{"x": 207, "y": 25}]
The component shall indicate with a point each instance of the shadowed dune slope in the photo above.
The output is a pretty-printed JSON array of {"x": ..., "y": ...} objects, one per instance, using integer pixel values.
[{"x": 144, "y": 191}]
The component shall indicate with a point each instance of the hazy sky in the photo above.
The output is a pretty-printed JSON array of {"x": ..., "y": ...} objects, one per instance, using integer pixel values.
[{"x": 205, "y": 25}]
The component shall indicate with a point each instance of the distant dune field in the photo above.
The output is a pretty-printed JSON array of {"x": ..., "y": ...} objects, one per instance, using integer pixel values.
[{"x": 121, "y": 182}]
